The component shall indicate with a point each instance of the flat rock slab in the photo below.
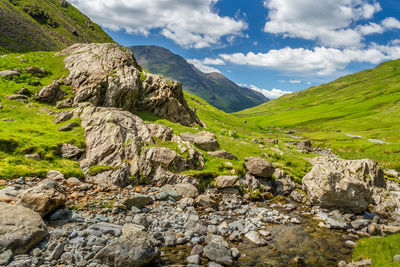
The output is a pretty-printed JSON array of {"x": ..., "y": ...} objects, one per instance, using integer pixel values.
[{"x": 20, "y": 228}]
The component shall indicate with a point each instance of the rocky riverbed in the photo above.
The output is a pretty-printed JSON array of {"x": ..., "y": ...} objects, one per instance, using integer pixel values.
[{"x": 176, "y": 225}]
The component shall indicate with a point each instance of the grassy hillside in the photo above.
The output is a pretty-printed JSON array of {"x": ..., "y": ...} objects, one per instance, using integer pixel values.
[
  {"x": 29, "y": 128},
  {"x": 215, "y": 88},
  {"x": 365, "y": 104},
  {"x": 44, "y": 25}
]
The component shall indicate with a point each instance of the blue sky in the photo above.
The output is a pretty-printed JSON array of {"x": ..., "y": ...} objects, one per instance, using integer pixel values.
[{"x": 273, "y": 46}]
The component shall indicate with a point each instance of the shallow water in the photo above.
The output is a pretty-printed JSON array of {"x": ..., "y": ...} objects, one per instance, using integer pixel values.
[
  {"x": 371, "y": 140},
  {"x": 317, "y": 246}
]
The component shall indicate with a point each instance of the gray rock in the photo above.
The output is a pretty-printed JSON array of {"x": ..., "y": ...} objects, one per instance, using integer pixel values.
[
  {"x": 189, "y": 137},
  {"x": 172, "y": 192},
  {"x": 55, "y": 176},
  {"x": 350, "y": 244},
  {"x": 222, "y": 154},
  {"x": 226, "y": 181},
  {"x": 69, "y": 151},
  {"x": 56, "y": 253},
  {"x": 20, "y": 228},
  {"x": 396, "y": 258},
  {"x": 50, "y": 94},
  {"x": 138, "y": 200},
  {"x": 35, "y": 70},
  {"x": 43, "y": 198},
  {"x": 255, "y": 238},
  {"x": 161, "y": 196},
  {"x": 342, "y": 184},
  {"x": 305, "y": 146},
  {"x": 359, "y": 224},
  {"x": 205, "y": 201},
  {"x": 17, "y": 97},
  {"x": 194, "y": 259},
  {"x": 9, "y": 74},
  {"x": 218, "y": 253},
  {"x": 197, "y": 250},
  {"x": 68, "y": 127},
  {"x": 187, "y": 190},
  {"x": 206, "y": 141},
  {"x": 5, "y": 257},
  {"x": 259, "y": 167},
  {"x": 23, "y": 91}
]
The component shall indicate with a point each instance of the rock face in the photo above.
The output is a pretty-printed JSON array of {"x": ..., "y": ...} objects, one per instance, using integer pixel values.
[
  {"x": 342, "y": 184},
  {"x": 44, "y": 197},
  {"x": 259, "y": 167},
  {"x": 107, "y": 75},
  {"x": 20, "y": 228},
  {"x": 206, "y": 141},
  {"x": 50, "y": 94},
  {"x": 116, "y": 138}
]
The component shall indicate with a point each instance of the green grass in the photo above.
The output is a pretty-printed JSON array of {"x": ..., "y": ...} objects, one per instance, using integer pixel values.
[
  {"x": 365, "y": 104},
  {"x": 380, "y": 250},
  {"x": 220, "y": 123},
  {"x": 33, "y": 130}
]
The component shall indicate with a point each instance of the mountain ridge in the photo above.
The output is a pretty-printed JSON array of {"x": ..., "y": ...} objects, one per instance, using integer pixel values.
[
  {"x": 41, "y": 25},
  {"x": 215, "y": 88}
]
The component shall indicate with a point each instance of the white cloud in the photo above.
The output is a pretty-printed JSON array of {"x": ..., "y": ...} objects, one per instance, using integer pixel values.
[
  {"x": 327, "y": 21},
  {"x": 370, "y": 28},
  {"x": 211, "y": 61},
  {"x": 294, "y": 81},
  {"x": 320, "y": 60},
  {"x": 271, "y": 94},
  {"x": 199, "y": 64},
  {"x": 391, "y": 23},
  {"x": 190, "y": 24}
]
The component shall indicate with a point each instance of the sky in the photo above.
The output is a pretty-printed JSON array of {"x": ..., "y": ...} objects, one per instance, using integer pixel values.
[{"x": 272, "y": 46}]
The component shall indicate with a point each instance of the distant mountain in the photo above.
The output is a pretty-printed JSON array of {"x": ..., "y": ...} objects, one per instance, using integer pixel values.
[
  {"x": 215, "y": 88},
  {"x": 44, "y": 25}
]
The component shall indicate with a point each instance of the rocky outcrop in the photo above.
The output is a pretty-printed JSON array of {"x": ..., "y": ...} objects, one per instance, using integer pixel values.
[
  {"x": 116, "y": 139},
  {"x": 107, "y": 75},
  {"x": 259, "y": 167},
  {"x": 342, "y": 184},
  {"x": 206, "y": 141},
  {"x": 50, "y": 94},
  {"x": 20, "y": 228},
  {"x": 44, "y": 197}
]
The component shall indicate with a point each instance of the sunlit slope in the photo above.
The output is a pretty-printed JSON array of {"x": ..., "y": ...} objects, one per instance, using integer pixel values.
[{"x": 365, "y": 103}]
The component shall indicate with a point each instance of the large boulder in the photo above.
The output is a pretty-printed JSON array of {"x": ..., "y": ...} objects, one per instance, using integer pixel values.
[
  {"x": 51, "y": 94},
  {"x": 206, "y": 141},
  {"x": 108, "y": 75},
  {"x": 20, "y": 228},
  {"x": 132, "y": 249},
  {"x": 259, "y": 167},
  {"x": 43, "y": 198},
  {"x": 342, "y": 184}
]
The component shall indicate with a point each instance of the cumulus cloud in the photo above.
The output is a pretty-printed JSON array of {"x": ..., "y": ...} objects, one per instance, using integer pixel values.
[
  {"x": 370, "y": 28},
  {"x": 328, "y": 21},
  {"x": 271, "y": 94},
  {"x": 320, "y": 60},
  {"x": 295, "y": 81},
  {"x": 199, "y": 64},
  {"x": 391, "y": 23},
  {"x": 190, "y": 24}
]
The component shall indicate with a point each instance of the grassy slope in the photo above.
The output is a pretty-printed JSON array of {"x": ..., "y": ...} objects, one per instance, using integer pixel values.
[
  {"x": 32, "y": 131},
  {"x": 365, "y": 103},
  {"x": 220, "y": 123},
  {"x": 380, "y": 250},
  {"x": 54, "y": 29}
]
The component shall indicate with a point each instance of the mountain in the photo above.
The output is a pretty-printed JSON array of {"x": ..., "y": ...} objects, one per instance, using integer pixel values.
[
  {"x": 365, "y": 105},
  {"x": 215, "y": 88},
  {"x": 44, "y": 25}
]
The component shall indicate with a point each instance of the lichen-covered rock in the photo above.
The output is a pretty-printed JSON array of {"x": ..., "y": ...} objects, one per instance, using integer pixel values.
[
  {"x": 259, "y": 167},
  {"x": 107, "y": 75},
  {"x": 43, "y": 198},
  {"x": 51, "y": 94},
  {"x": 342, "y": 184},
  {"x": 20, "y": 228},
  {"x": 206, "y": 141}
]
